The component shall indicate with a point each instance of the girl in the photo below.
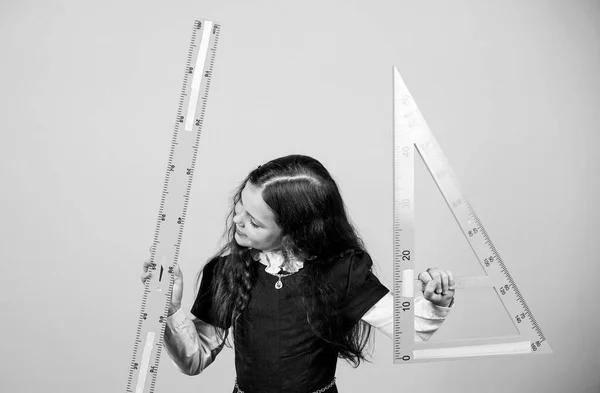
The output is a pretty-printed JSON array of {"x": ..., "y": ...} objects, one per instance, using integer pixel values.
[{"x": 294, "y": 282}]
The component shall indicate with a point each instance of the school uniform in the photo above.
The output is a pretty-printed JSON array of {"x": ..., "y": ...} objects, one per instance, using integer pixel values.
[{"x": 279, "y": 352}]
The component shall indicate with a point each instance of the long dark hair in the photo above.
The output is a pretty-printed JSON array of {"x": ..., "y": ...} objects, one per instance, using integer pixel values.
[{"x": 308, "y": 207}]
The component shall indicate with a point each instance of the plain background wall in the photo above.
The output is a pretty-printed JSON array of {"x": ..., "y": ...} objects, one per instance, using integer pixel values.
[{"x": 89, "y": 93}]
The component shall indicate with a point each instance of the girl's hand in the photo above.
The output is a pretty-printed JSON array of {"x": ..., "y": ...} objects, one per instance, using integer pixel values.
[
  {"x": 176, "y": 294},
  {"x": 438, "y": 286}
]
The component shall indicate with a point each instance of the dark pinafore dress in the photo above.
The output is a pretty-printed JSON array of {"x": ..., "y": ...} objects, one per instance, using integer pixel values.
[{"x": 279, "y": 352}]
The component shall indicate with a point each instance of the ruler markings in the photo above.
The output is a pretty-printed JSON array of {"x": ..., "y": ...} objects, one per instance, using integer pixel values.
[
  {"x": 173, "y": 210},
  {"x": 412, "y": 133}
]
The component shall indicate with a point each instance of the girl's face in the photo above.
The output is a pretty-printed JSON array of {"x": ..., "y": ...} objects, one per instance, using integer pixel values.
[{"x": 255, "y": 221}]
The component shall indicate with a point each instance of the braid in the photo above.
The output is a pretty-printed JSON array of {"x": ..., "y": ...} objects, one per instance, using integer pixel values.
[{"x": 244, "y": 286}]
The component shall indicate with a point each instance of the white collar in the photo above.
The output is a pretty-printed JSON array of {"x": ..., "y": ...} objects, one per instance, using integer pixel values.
[{"x": 274, "y": 259}]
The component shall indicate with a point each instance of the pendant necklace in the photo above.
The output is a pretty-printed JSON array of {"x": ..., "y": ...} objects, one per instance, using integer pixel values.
[{"x": 279, "y": 284}]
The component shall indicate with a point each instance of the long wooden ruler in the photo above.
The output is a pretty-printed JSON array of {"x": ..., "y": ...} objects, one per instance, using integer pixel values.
[
  {"x": 148, "y": 343},
  {"x": 411, "y": 134}
]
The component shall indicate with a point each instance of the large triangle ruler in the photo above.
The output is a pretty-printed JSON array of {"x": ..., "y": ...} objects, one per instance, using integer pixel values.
[
  {"x": 411, "y": 134},
  {"x": 143, "y": 369}
]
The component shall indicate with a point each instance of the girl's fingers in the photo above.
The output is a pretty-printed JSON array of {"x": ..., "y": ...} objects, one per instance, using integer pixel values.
[
  {"x": 444, "y": 280},
  {"x": 435, "y": 275},
  {"x": 146, "y": 263},
  {"x": 444, "y": 277},
  {"x": 430, "y": 288},
  {"x": 146, "y": 276},
  {"x": 426, "y": 277}
]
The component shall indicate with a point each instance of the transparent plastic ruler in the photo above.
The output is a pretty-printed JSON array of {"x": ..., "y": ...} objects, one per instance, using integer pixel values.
[
  {"x": 412, "y": 134},
  {"x": 173, "y": 206}
]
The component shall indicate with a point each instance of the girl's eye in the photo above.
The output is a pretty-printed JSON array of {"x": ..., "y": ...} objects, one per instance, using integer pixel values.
[{"x": 251, "y": 222}]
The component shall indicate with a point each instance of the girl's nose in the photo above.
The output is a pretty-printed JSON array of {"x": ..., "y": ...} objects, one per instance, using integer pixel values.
[{"x": 237, "y": 218}]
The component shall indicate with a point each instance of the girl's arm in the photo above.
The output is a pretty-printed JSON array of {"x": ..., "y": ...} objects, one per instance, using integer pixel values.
[
  {"x": 192, "y": 343},
  {"x": 428, "y": 317}
]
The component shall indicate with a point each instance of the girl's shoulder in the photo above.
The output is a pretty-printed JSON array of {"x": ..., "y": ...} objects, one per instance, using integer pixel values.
[
  {"x": 349, "y": 255},
  {"x": 348, "y": 265},
  {"x": 358, "y": 288},
  {"x": 211, "y": 264}
]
